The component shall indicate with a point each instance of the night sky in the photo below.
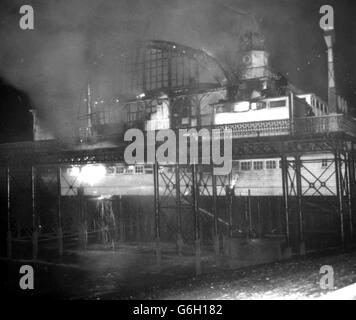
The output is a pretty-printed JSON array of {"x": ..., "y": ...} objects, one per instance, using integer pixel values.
[{"x": 46, "y": 68}]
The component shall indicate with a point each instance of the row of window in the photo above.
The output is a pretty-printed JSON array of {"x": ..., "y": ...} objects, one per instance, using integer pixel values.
[
  {"x": 257, "y": 165},
  {"x": 269, "y": 164},
  {"x": 114, "y": 170},
  {"x": 241, "y": 165}
]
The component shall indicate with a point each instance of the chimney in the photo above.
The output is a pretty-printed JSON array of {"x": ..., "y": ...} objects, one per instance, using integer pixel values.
[{"x": 329, "y": 36}]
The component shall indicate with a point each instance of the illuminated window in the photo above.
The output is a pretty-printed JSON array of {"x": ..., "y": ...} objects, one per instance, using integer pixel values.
[
  {"x": 110, "y": 170},
  {"x": 271, "y": 164},
  {"x": 258, "y": 165},
  {"x": 246, "y": 165},
  {"x": 130, "y": 169}
]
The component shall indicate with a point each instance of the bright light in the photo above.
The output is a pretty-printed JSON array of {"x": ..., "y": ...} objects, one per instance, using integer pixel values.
[
  {"x": 241, "y": 106},
  {"x": 74, "y": 171},
  {"x": 91, "y": 174}
]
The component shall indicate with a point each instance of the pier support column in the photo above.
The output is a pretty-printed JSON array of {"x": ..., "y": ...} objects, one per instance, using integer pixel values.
[
  {"x": 348, "y": 187},
  {"x": 298, "y": 175},
  {"x": 121, "y": 220},
  {"x": 287, "y": 252},
  {"x": 195, "y": 194},
  {"x": 180, "y": 242},
  {"x": 157, "y": 217},
  {"x": 216, "y": 238},
  {"x": 340, "y": 193},
  {"x": 9, "y": 235},
  {"x": 250, "y": 226},
  {"x": 229, "y": 192},
  {"x": 351, "y": 190},
  {"x": 83, "y": 224},
  {"x": 34, "y": 214},
  {"x": 59, "y": 213}
]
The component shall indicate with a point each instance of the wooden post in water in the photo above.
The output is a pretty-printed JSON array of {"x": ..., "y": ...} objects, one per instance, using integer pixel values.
[
  {"x": 9, "y": 235},
  {"x": 34, "y": 214},
  {"x": 59, "y": 214}
]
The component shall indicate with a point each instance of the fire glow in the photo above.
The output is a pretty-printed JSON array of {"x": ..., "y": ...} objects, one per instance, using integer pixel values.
[{"x": 89, "y": 174}]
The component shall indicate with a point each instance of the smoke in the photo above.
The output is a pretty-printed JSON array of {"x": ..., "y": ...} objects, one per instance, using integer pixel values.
[{"x": 77, "y": 39}]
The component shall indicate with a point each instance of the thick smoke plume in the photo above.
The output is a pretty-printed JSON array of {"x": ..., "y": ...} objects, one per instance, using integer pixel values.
[{"x": 74, "y": 40}]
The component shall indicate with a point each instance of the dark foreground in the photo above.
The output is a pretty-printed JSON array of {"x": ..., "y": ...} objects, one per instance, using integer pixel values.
[{"x": 130, "y": 274}]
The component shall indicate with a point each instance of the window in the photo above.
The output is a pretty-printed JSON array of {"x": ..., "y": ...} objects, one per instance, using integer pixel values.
[
  {"x": 139, "y": 169},
  {"x": 280, "y": 164},
  {"x": 277, "y": 104},
  {"x": 324, "y": 163},
  {"x": 261, "y": 105},
  {"x": 130, "y": 169},
  {"x": 237, "y": 165},
  {"x": 110, "y": 170},
  {"x": 246, "y": 166},
  {"x": 258, "y": 165},
  {"x": 120, "y": 170},
  {"x": 271, "y": 164},
  {"x": 148, "y": 169}
]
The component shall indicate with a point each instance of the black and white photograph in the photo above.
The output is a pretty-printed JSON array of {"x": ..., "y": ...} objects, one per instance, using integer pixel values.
[{"x": 177, "y": 156}]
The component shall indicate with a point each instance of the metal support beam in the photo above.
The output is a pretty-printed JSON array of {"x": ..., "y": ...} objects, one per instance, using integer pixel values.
[
  {"x": 83, "y": 224},
  {"x": 349, "y": 187},
  {"x": 339, "y": 191},
  {"x": 122, "y": 220},
  {"x": 34, "y": 215},
  {"x": 157, "y": 216},
  {"x": 59, "y": 213},
  {"x": 228, "y": 194},
  {"x": 298, "y": 166},
  {"x": 9, "y": 235},
  {"x": 352, "y": 189},
  {"x": 195, "y": 194},
  {"x": 216, "y": 238},
  {"x": 286, "y": 198},
  {"x": 250, "y": 228},
  {"x": 180, "y": 242}
]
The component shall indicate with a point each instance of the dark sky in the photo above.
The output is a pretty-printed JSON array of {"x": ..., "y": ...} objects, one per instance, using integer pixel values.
[{"x": 47, "y": 67}]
